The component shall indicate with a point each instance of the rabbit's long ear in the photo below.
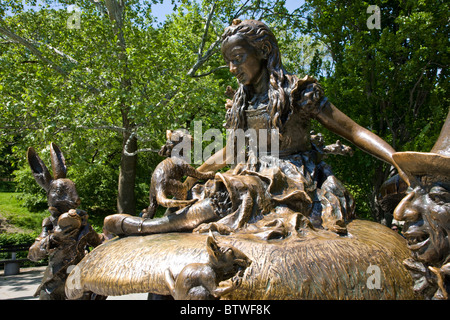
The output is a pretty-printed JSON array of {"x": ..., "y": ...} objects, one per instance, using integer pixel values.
[
  {"x": 212, "y": 247},
  {"x": 40, "y": 171},
  {"x": 58, "y": 162}
]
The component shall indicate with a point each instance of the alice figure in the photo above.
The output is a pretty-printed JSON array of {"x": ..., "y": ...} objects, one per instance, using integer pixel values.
[{"x": 268, "y": 99}]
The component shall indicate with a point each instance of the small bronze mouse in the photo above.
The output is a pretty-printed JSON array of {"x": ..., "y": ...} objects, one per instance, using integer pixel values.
[{"x": 201, "y": 281}]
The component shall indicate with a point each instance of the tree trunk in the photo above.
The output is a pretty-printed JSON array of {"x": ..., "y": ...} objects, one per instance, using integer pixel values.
[{"x": 126, "y": 202}]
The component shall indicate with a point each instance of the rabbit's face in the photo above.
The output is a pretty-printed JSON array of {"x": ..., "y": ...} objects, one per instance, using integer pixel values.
[{"x": 63, "y": 195}]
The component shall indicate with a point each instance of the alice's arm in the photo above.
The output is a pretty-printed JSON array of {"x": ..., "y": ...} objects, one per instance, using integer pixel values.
[{"x": 336, "y": 121}]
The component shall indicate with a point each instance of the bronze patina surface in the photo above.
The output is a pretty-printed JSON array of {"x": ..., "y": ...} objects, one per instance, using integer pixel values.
[
  {"x": 426, "y": 212},
  {"x": 66, "y": 233},
  {"x": 268, "y": 99},
  {"x": 306, "y": 265},
  {"x": 286, "y": 213}
]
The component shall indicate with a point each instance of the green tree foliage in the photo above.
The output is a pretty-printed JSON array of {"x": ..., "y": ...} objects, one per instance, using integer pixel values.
[
  {"x": 80, "y": 89},
  {"x": 392, "y": 80},
  {"x": 121, "y": 80}
]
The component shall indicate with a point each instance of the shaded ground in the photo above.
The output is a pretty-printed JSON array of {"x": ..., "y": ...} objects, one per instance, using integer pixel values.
[{"x": 23, "y": 285}]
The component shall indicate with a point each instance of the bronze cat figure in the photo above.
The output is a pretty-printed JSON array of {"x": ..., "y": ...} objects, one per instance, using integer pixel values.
[{"x": 166, "y": 178}]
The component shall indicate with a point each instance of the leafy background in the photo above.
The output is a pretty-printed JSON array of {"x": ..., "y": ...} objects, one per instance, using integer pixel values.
[{"x": 123, "y": 77}]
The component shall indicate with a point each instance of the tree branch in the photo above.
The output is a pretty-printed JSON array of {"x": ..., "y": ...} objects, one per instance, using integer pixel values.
[
  {"x": 240, "y": 10},
  {"x": 33, "y": 50},
  {"x": 132, "y": 154},
  {"x": 72, "y": 60},
  {"x": 201, "y": 59},
  {"x": 208, "y": 73},
  {"x": 411, "y": 92},
  {"x": 205, "y": 32},
  {"x": 60, "y": 53},
  {"x": 97, "y": 127},
  {"x": 30, "y": 45},
  {"x": 115, "y": 12},
  {"x": 100, "y": 6}
]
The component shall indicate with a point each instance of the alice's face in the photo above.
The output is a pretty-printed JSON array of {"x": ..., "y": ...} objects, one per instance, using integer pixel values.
[
  {"x": 426, "y": 212},
  {"x": 243, "y": 60}
]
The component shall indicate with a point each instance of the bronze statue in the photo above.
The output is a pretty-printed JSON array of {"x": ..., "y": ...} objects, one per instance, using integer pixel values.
[
  {"x": 307, "y": 264},
  {"x": 66, "y": 233},
  {"x": 426, "y": 212},
  {"x": 285, "y": 211},
  {"x": 391, "y": 192},
  {"x": 166, "y": 178},
  {"x": 200, "y": 281},
  {"x": 270, "y": 98}
]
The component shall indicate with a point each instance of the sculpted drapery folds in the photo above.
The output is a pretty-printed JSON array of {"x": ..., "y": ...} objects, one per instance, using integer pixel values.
[
  {"x": 268, "y": 98},
  {"x": 285, "y": 214}
]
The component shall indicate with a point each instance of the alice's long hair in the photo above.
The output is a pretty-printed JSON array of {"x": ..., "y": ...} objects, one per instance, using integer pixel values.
[{"x": 282, "y": 86}]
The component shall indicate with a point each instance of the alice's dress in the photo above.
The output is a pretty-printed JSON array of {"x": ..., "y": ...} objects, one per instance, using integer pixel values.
[{"x": 271, "y": 194}]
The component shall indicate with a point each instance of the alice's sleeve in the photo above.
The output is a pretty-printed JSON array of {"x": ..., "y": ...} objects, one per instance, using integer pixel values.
[{"x": 311, "y": 99}]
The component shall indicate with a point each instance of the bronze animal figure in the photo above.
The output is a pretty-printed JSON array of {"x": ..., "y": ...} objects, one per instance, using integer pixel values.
[
  {"x": 166, "y": 178},
  {"x": 308, "y": 264},
  {"x": 200, "y": 281},
  {"x": 61, "y": 192},
  {"x": 66, "y": 233}
]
